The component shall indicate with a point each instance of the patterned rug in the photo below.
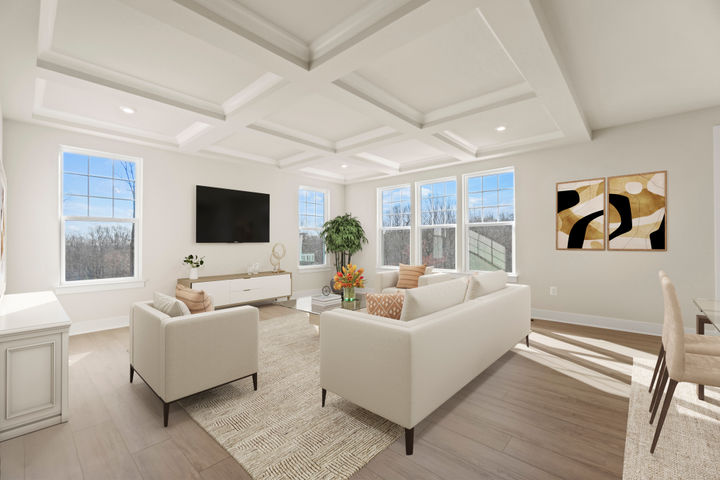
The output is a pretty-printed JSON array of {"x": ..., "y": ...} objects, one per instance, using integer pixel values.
[
  {"x": 281, "y": 431},
  {"x": 690, "y": 439}
]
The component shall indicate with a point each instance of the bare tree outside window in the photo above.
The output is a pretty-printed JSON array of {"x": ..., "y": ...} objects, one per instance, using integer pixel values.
[
  {"x": 395, "y": 225},
  {"x": 438, "y": 217},
  {"x": 99, "y": 217}
]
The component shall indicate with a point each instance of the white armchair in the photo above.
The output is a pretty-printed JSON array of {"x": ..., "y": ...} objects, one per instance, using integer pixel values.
[{"x": 181, "y": 356}]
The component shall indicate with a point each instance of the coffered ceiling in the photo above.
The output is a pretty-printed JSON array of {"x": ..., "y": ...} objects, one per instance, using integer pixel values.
[{"x": 344, "y": 90}]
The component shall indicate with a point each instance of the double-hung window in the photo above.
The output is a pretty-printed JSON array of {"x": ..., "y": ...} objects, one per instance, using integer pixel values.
[
  {"x": 312, "y": 214},
  {"x": 438, "y": 220},
  {"x": 395, "y": 225},
  {"x": 490, "y": 220},
  {"x": 100, "y": 217}
]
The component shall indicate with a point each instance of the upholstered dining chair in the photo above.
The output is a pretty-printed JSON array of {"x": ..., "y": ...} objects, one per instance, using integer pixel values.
[
  {"x": 694, "y": 343},
  {"x": 679, "y": 364}
]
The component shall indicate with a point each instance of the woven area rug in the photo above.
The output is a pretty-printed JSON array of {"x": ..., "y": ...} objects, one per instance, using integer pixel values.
[
  {"x": 690, "y": 438},
  {"x": 281, "y": 431}
]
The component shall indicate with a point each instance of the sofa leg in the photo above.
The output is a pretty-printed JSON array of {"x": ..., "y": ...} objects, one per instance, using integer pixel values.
[
  {"x": 166, "y": 413},
  {"x": 132, "y": 372},
  {"x": 409, "y": 440},
  {"x": 527, "y": 340},
  {"x": 324, "y": 394},
  {"x": 254, "y": 375}
]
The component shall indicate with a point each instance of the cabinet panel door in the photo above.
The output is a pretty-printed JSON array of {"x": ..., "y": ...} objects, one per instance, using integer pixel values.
[
  {"x": 219, "y": 290},
  {"x": 31, "y": 377}
]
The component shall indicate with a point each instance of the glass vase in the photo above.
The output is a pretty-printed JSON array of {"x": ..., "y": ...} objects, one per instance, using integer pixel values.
[{"x": 348, "y": 294}]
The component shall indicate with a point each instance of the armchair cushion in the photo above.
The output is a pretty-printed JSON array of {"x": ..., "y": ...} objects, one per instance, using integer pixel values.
[
  {"x": 196, "y": 300},
  {"x": 387, "y": 305},
  {"x": 409, "y": 274},
  {"x": 423, "y": 301},
  {"x": 169, "y": 305}
]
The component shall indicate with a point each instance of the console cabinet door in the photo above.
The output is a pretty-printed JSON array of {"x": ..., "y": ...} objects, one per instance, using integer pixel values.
[
  {"x": 30, "y": 374},
  {"x": 220, "y": 291}
]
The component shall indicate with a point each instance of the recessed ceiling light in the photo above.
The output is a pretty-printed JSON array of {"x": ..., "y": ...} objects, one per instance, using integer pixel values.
[
  {"x": 344, "y": 165},
  {"x": 127, "y": 110},
  {"x": 501, "y": 128}
]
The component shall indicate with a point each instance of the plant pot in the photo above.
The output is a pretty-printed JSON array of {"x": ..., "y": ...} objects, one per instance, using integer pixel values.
[
  {"x": 194, "y": 273},
  {"x": 348, "y": 294}
]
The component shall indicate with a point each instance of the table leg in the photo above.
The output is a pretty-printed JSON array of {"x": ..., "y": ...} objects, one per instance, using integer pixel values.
[{"x": 700, "y": 321}]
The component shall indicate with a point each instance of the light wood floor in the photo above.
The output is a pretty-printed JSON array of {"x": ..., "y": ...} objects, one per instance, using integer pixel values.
[{"x": 556, "y": 410}]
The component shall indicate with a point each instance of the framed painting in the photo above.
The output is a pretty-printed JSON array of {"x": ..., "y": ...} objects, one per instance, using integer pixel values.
[
  {"x": 637, "y": 212},
  {"x": 580, "y": 215}
]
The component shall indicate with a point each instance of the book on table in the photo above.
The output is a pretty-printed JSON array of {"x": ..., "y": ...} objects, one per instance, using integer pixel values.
[{"x": 326, "y": 299}]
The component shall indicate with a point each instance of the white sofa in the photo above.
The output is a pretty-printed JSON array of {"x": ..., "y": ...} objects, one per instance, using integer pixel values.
[
  {"x": 404, "y": 370},
  {"x": 387, "y": 280},
  {"x": 181, "y": 356}
]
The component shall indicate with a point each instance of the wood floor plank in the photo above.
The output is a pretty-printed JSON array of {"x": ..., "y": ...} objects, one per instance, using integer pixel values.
[
  {"x": 198, "y": 446},
  {"x": 390, "y": 464},
  {"x": 12, "y": 459},
  {"x": 51, "y": 453},
  {"x": 103, "y": 454},
  {"x": 227, "y": 469},
  {"x": 164, "y": 460}
]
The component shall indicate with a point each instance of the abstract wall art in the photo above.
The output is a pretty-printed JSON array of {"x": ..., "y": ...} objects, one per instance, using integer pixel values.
[
  {"x": 637, "y": 210},
  {"x": 580, "y": 215}
]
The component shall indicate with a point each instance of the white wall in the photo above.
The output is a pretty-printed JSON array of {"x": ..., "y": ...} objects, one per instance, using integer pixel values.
[
  {"x": 169, "y": 179},
  {"x": 617, "y": 285}
]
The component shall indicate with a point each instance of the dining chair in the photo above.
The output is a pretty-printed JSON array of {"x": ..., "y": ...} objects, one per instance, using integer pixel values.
[
  {"x": 694, "y": 343},
  {"x": 679, "y": 364}
]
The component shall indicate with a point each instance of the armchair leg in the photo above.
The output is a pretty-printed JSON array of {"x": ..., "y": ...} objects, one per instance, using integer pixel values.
[
  {"x": 663, "y": 413},
  {"x": 324, "y": 394},
  {"x": 132, "y": 372},
  {"x": 254, "y": 375},
  {"x": 166, "y": 413},
  {"x": 527, "y": 340},
  {"x": 409, "y": 440}
]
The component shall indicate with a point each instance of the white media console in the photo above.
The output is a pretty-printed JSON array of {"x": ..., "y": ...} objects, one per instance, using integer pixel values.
[{"x": 242, "y": 288}]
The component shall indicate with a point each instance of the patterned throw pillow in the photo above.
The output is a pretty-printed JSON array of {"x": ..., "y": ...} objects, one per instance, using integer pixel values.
[
  {"x": 385, "y": 304},
  {"x": 409, "y": 274},
  {"x": 196, "y": 300}
]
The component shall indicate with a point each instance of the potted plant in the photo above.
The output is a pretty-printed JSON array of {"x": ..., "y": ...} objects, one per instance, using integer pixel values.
[
  {"x": 195, "y": 262},
  {"x": 343, "y": 236}
]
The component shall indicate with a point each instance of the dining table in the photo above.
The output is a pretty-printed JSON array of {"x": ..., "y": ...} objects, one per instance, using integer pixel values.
[{"x": 709, "y": 313}]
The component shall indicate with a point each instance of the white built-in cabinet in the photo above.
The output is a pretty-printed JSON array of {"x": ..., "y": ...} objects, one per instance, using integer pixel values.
[{"x": 33, "y": 363}]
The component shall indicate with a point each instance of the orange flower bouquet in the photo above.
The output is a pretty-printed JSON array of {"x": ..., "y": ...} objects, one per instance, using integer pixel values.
[{"x": 349, "y": 278}]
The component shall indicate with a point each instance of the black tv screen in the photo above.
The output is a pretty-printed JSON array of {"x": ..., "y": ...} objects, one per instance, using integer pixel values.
[{"x": 231, "y": 216}]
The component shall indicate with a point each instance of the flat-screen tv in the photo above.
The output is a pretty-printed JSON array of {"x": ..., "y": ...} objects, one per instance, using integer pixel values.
[{"x": 231, "y": 216}]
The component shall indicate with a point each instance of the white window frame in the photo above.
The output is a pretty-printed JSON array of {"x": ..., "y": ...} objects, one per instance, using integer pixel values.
[
  {"x": 74, "y": 286},
  {"x": 417, "y": 238},
  {"x": 326, "y": 210},
  {"x": 380, "y": 260},
  {"x": 466, "y": 215}
]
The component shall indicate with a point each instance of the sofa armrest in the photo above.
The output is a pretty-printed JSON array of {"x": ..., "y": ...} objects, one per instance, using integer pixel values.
[
  {"x": 208, "y": 349},
  {"x": 366, "y": 359},
  {"x": 387, "y": 279},
  {"x": 147, "y": 344}
]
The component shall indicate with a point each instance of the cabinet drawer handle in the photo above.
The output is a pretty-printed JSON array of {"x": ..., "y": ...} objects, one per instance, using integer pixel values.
[{"x": 247, "y": 289}]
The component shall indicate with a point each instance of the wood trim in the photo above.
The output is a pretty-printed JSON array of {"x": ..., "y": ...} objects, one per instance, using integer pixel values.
[
  {"x": 234, "y": 276},
  {"x": 557, "y": 190}
]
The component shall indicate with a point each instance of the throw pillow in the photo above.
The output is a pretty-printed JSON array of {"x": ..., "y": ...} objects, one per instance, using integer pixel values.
[
  {"x": 483, "y": 283},
  {"x": 169, "y": 305},
  {"x": 385, "y": 304},
  {"x": 429, "y": 299},
  {"x": 409, "y": 274},
  {"x": 196, "y": 300}
]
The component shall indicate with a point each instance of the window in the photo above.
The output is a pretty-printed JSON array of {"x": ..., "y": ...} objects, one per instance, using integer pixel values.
[
  {"x": 395, "y": 225},
  {"x": 312, "y": 212},
  {"x": 100, "y": 217},
  {"x": 490, "y": 221},
  {"x": 438, "y": 218}
]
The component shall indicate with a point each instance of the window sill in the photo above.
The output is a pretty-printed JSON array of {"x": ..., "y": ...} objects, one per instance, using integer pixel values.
[
  {"x": 98, "y": 287},
  {"x": 314, "y": 268}
]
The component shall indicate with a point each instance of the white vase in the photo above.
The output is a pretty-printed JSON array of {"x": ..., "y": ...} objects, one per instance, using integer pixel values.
[{"x": 194, "y": 273}]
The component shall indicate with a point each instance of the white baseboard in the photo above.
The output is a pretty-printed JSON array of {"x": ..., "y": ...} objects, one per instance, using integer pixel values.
[
  {"x": 611, "y": 323},
  {"x": 78, "y": 328}
]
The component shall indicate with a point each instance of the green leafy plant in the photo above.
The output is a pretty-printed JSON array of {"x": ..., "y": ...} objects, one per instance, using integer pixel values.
[
  {"x": 194, "y": 261},
  {"x": 343, "y": 236}
]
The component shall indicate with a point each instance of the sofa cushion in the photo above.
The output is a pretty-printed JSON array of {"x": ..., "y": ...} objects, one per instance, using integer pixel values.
[
  {"x": 409, "y": 274},
  {"x": 482, "y": 283},
  {"x": 423, "y": 301},
  {"x": 388, "y": 305},
  {"x": 196, "y": 300},
  {"x": 169, "y": 305}
]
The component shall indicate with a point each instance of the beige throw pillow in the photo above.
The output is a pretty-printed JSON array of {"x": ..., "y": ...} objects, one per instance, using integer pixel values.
[
  {"x": 196, "y": 300},
  {"x": 169, "y": 305},
  {"x": 423, "y": 301},
  {"x": 409, "y": 274},
  {"x": 482, "y": 283},
  {"x": 387, "y": 305}
]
